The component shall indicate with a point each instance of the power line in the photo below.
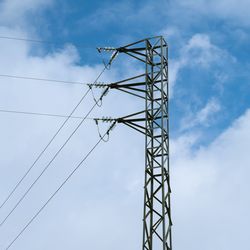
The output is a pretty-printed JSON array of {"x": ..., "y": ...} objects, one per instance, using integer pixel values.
[
  {"x": 41, "y": 114},
  {"x": 49, "y": 143},
  {"x": 24, "y": 39},
  {"x": 48, "y": 165},
  {"x": 41, "y": 79},
  {"x": 59, "y": 188}
]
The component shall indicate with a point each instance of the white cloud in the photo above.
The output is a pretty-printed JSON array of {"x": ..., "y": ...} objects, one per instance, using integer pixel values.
[
  {"x": 23, "y": 137},
  {"x": 230, "y": 10},
  {"x": 198, "y": 52},
  {"x": 210, "y": 190},
  {"x": 104, "y": 199}
]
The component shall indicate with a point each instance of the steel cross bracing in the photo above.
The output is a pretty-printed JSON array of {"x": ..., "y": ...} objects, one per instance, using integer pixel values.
[{"x": 153, "y": 122}]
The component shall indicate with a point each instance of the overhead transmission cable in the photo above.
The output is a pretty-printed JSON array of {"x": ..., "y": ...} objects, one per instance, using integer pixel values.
[
  {"x": 113, "y": 56},
  {"x": 50, "y": 162},
  {"x": 41, "y": 79},
  {"x": 60, "y": 187},
  {"x": 24, "y": 39},
  {"x": 41, "y": 114},
  {"x": 49, "y": 143}
]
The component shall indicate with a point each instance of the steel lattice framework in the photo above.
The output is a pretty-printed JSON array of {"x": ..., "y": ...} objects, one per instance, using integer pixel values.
[{"x": 153, "y": 122}]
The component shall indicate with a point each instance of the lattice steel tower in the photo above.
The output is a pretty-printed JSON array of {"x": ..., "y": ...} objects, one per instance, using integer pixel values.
[{"x": 153, "y": 122}]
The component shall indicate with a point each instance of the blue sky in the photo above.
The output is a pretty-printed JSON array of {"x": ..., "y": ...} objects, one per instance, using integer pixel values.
[
  {"x": 116, "y": 23},
  {"x": 209, "y": 110}
]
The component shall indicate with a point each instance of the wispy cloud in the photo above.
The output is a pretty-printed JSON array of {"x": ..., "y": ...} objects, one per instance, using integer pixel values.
[
  {"x": 14, "y": 12},
  {"x": 204, "y": 117},
  {"x": 230, "y": 10},
  {"x": 198, "y": 52}
]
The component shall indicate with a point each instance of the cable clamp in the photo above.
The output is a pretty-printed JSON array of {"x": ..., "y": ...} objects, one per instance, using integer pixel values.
[
  {"x": 105, "y": 92},
  {"x": 112, "y": 126}
]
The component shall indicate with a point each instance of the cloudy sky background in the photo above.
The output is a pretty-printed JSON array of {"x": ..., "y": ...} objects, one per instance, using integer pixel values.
[{"x": 101, "y": 207}]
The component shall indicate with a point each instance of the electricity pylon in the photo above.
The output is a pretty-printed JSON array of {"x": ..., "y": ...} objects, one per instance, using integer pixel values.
[{"x": 153, "y": 122}]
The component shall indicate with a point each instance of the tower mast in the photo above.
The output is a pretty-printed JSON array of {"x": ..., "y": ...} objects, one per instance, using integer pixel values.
[{"x": 153, "y": 122}]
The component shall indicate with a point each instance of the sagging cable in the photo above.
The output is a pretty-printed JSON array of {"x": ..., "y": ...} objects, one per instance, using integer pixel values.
[
  {"x": 106, "y": 120},
  {"x": 102, "y": 137},
  {"x": 104, "y": 93}
]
